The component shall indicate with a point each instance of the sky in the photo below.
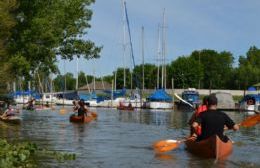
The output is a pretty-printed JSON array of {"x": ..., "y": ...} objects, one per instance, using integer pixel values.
[{"x": 221, "y": 25}]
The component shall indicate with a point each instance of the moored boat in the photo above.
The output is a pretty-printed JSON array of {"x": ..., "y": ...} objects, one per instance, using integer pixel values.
[
  {"x": 159, "y": 99},
  {"x": 127, "y": 108},
  {"x": 191, "y": 96},
  {"x": 212, "y": 147}
]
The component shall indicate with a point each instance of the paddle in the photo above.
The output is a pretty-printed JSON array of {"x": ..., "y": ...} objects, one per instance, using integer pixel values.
[
  {"x": 63, "y": 111},
  {"x": 184, "y": 101},
  {"x": 170, "y": 144},
  {"x": 166, "y": 145},
  {"x": 250, "y": 121}
]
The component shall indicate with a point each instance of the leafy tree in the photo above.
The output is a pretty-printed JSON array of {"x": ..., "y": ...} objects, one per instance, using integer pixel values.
[
  {"x": 59, "y": 82},
  {"x": 150, "y": 75},
  {"x": 217, "y": 67},
  {"x": 46, "y": 29},
  {"x": 185, "y": 71},
  {"x": 249, "y": 68},
  {"x": 82, "y": 79},
  {"x": 7, "y": 22}
]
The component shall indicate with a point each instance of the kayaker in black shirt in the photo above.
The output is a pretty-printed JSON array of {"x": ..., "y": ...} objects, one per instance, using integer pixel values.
[
  {"x": 213, "y": 121},
  {"x": 82, "y": 110}
]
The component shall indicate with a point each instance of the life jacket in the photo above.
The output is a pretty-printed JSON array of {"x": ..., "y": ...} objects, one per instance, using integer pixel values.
[{"x": 200, "y": 109}]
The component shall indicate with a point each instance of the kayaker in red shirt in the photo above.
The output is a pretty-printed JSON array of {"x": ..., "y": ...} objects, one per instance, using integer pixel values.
[{"x": 202, "y": 108}]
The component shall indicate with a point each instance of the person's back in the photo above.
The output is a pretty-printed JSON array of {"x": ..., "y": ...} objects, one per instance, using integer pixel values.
[
  {"x": 213, "y": 121},
  {"x": 82, "y": 110}
]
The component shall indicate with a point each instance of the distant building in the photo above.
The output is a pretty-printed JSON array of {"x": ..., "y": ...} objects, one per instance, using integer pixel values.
[{"x": 99, "y": 85}]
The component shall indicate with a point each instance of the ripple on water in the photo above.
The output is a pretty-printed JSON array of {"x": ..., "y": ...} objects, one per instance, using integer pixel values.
[{"x": 124, "y": 139}]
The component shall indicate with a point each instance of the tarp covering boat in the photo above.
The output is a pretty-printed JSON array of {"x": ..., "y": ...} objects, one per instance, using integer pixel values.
[
  {"x": 160, "y": 95},
  {"x": 116, "y": 93},
  {"x": 88, "y": 96},
  {"x": 68, "y": 95}
]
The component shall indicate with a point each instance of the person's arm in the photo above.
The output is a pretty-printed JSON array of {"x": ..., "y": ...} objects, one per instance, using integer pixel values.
[{"x": 229, "y": 123}]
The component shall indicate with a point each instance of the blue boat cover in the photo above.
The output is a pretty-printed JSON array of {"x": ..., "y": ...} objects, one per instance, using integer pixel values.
[
  {"x": 88, "y": 96},
  {"x": 116, "y": 93},
  {"x": 160, "y": 95},
  {"x": 191, "y": 96},
  {"x": 32, "y": 93},
  {"x": 251, "y": 88},
  {"x": 256, "y": 97},
  {"x": 69, "y": 95}
]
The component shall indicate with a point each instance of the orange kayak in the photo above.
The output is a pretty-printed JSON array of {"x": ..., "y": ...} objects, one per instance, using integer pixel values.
[
  {"x": 81, "y": 119},
  {"x": 126, "y": 108},
  {"x": 212, "y": 147}
]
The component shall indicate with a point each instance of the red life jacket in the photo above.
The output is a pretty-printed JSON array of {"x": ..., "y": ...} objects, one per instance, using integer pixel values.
[{"x": 200, "y": 109}]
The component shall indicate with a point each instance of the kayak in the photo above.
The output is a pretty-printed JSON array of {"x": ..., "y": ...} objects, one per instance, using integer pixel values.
[
  {"x": 94, "y": 115},
  {"x": 80, "y": 119},
  {"x": 11, "y": 119},
  {"x": 212, "y": 147},
  {"x": 126, "y": 108}
]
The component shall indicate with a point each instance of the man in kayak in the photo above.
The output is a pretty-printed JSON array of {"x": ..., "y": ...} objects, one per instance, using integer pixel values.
[
  {"x": 213, "y": 121},
  {"x": 30, "y": 103},
  {"x": 82, "y": 109}
]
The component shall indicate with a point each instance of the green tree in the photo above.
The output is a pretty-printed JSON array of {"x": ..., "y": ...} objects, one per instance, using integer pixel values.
[
  {"x": 185, "y": 71},
  {"x": 216, "y": 66},
  {"x": 82, "y": 79},
  {"x": 248, "y": 72},
  {"x": 7, "y": 22},
  {"x": 46, "y": 29}
]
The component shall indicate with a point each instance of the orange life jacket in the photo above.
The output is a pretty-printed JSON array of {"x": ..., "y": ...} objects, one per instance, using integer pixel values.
[{"x": 200, "y": 109}]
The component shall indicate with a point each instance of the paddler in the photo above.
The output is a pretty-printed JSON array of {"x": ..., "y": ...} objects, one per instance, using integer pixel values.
[
  {"x": 82, "y": 110},
  {"x": 30, "y": 103},
  {"x": 75, "y": 105},
  {"x": 213, "y": 121}
]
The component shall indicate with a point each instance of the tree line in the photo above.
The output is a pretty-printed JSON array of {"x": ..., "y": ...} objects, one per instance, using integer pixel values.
[
  {"x": 34, "y": 34},
  {"x": 205, "y": 69}
]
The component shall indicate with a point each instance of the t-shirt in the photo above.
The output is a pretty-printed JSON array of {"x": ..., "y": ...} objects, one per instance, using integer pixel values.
[{"x": 212, "y": 123}]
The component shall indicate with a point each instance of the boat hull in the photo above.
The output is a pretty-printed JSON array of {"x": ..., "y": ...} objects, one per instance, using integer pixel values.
[
  {"x": 81, "y": 119},
  {"x": 159, "y": 105},
  {"x": 212, "y": 147},
  {"x": 125, "y": 108}
]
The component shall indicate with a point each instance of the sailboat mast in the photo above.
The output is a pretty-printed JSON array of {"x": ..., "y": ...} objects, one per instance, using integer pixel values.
[
  {"x": 115, "y": 79},
  {"x": 94, "y": 78},
  {"x": 124, "y": 44},
  {"x": 158, "y": 58},
  {"x": 163, "y": 53},
  {"x": 77, "y": 74},
  {"x": 65, "y": 83},
  {"x": 143, "y": 53}
]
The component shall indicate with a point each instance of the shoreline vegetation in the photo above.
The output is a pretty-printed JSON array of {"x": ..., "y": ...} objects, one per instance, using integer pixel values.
[{"x": 25, "y": 154}]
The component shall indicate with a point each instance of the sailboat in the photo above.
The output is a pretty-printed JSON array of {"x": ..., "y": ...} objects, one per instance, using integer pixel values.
[
  {"x": 135, "y": 100},
  {"x": 160, "y": 99}
]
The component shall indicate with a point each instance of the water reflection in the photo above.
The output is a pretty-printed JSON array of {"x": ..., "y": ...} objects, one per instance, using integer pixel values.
[
  {"x": 172, "y": 119},
  {"x": 124, "y": 139}
]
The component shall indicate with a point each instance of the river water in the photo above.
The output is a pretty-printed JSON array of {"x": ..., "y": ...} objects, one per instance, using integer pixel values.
[{"x": 123, "y": 139}]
